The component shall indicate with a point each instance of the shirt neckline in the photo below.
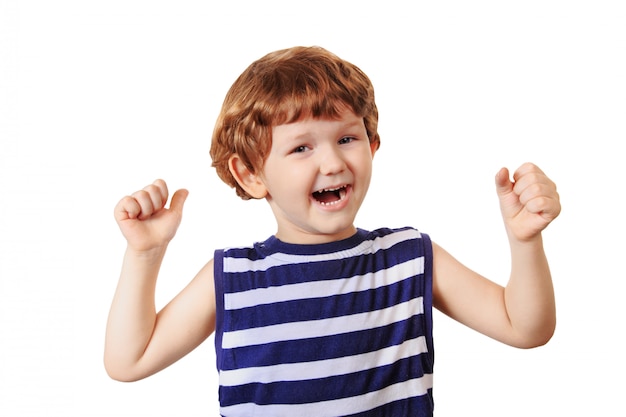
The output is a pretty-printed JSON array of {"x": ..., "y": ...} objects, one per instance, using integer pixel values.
[{"x": 274, "y": 245}]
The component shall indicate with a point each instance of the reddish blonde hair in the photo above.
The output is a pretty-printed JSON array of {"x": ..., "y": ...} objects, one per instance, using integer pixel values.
[{"x": 283, "y": 87}]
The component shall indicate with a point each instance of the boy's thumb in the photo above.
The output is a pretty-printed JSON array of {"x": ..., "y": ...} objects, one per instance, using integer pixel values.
[
  {"x": 178, "y": 200},
  {"x": 503, "y": 182}
]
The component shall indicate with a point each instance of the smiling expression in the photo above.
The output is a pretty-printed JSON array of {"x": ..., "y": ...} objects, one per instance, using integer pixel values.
[{"x": 316, "y": 177}]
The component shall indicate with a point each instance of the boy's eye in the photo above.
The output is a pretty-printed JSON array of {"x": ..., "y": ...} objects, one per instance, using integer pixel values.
[
  {"x": 345, "y": 140},
  {"x": 299, "y": 149}
]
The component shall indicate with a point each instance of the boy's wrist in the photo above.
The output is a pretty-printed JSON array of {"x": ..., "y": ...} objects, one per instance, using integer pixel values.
[
  {"x": 155, "y": 254},
  {"x": 531, "y": 244}
]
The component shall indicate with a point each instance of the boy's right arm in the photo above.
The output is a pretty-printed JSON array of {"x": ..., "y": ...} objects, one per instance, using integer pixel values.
[{"x": 140, "y": 341}]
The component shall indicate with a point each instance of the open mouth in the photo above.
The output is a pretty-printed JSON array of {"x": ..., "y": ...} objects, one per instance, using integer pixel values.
[{"x": 329, "y": 196}]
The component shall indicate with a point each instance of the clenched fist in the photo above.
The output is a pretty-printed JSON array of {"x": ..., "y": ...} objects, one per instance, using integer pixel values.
[
  {"x": 528, "y": 203},
  {"x": 143, "y": 219}
]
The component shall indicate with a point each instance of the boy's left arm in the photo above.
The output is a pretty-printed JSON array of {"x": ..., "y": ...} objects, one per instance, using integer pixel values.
[
  {"x": 528, "y": 204},
  {"x": 523, "y": 313}
]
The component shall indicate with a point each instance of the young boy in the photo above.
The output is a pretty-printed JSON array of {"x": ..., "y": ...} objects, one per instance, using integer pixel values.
[{"x": 323, "y": 318}]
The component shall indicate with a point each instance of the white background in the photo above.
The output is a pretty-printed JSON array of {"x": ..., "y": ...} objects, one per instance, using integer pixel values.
[{"x": 98, "y": 99}]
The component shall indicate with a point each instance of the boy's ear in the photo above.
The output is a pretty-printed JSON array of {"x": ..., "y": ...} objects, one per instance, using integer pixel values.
[
  {"x": 249, "y": 181},
  {"x": 374, "y": 147}
]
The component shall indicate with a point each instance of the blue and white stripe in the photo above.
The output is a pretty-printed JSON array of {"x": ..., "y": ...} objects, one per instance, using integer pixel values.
[{"x": 326, "y": 330}]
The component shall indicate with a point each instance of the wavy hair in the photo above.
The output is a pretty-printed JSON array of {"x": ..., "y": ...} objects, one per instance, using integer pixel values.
[{"x": 283, "y": 87}]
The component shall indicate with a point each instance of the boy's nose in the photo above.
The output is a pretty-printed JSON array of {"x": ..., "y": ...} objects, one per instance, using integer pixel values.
[{"x": 331, "y": 162}]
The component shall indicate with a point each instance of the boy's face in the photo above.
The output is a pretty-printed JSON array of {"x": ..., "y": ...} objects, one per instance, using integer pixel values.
[{"x": 316, "y": 176}]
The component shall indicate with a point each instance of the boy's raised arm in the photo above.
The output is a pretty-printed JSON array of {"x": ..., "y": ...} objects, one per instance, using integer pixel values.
[
  {"x": 140, "y": 342},
  {"x": 523, "y": 313},
  {"x": 528, "y": 205}
]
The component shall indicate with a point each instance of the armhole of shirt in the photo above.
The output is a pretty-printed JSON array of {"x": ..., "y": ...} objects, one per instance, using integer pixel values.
[
  {"x": 218, "y": 274},
  {"x": 428, "y": 292}
]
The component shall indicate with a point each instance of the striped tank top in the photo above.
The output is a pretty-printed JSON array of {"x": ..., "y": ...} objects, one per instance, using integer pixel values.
[{"x": 336, "y": 329}]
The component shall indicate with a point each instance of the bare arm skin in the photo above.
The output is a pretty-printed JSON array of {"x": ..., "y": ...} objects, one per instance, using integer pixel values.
[
  {"x": 522, "y": 314},
  {"x": 140, "y": 342}
]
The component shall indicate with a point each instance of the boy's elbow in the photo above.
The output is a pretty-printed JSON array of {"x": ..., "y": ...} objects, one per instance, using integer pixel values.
[
  {"x": 537, "y": 338},
  {"x": 534, "y": 343},
  {"x": 119, "y": 372},
  {"x": 116, "y": 374}
]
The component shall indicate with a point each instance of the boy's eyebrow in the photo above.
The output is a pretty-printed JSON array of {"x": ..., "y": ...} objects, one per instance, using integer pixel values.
[
  {"x": 301, "y": 136},
  {"x": 352, "y": 124},
  {"x": 356, "y": 123}
]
